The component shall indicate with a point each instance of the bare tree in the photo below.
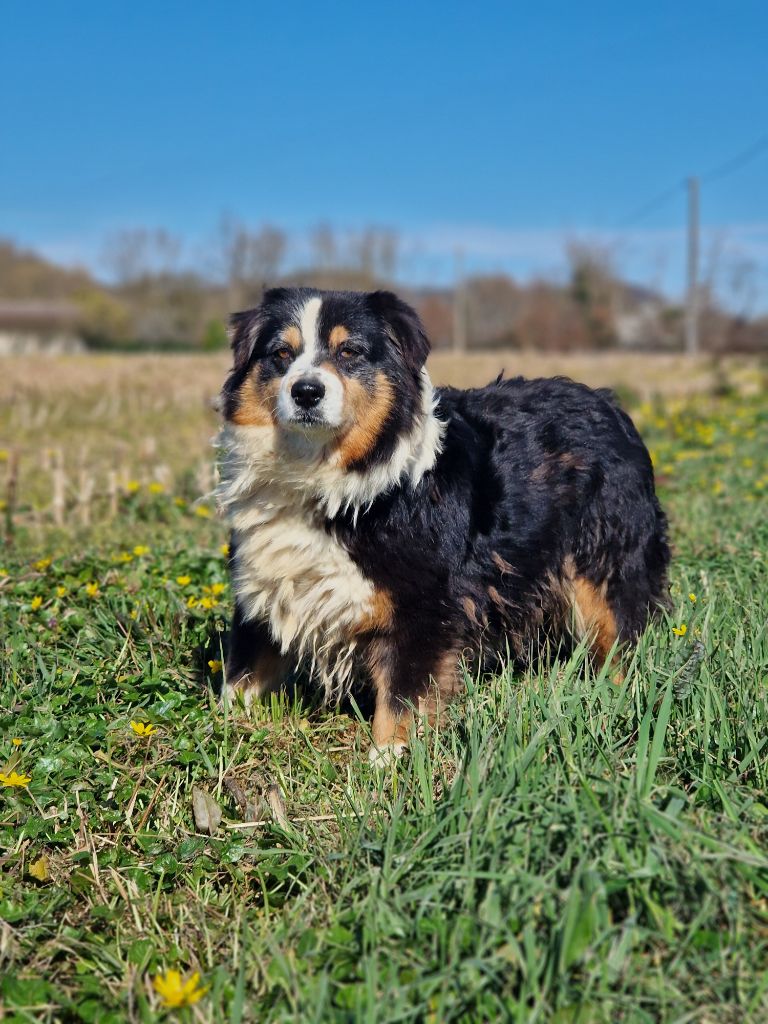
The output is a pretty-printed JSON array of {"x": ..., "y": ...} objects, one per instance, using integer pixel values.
[
  {"x": 250, "y": 260},
  {"x": 324, "y": 247},
  {"x": 137, "y": 253},
  {"x": 494, "y": 308},
  {"x": 743, "y": 285},
  {"x": 373, "y": 251}
]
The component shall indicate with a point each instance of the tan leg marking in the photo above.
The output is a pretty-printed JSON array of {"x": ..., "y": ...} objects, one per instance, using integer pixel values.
[
  {"x": 389, "y": 732},
  {"x": 594, "y": 618},
  {"x": 391, "y": 728}
]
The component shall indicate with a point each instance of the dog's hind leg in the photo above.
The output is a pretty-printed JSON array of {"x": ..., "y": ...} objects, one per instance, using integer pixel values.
[{"x": 594, "y": 617}]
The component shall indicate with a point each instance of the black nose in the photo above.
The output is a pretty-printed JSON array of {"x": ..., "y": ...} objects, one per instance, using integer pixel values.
[{"x": 307, "y": 393}]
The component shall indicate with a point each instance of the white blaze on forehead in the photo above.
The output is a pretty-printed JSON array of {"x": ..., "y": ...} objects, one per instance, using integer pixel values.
[{"x": 308, "y": 317}]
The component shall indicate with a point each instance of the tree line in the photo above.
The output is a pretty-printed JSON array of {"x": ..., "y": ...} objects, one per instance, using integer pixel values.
[{"x": 148, "y": 295}]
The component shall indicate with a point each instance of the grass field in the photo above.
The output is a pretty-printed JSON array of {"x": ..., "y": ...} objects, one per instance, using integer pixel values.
[{"x": 564, "y": 850}]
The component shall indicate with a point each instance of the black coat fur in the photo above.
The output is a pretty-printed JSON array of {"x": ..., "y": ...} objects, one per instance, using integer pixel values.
[{"x": 532, "y": 472}]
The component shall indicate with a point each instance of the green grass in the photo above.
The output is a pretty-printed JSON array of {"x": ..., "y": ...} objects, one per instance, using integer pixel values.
[{"x": 563, "y": 850}]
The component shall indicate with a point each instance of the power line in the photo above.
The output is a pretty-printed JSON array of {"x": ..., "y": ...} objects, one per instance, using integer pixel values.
[
  {"x": 722, "y": 170},
  {"x": 737, "y": 162},
  {"x": 652, "y": 205}
]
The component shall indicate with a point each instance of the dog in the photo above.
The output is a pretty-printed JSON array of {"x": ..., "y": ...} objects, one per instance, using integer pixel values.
[{"x": 387, "y": 530}]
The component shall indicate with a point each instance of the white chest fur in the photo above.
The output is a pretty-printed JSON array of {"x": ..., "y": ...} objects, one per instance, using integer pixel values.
[{"x": 289, "y": 571}]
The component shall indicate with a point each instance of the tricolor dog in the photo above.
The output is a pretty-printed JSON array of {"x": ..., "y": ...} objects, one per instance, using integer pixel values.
[{"x": 387, "y": 531}]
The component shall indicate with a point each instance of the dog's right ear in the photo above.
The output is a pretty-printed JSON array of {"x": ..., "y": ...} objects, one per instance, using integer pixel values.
[{"x": 243, "y": 332}]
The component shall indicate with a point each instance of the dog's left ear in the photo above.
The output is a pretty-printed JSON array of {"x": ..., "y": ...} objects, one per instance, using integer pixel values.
[{"x": 404, "y": 327}]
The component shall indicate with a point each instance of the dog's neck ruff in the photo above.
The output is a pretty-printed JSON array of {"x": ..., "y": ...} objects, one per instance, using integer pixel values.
[
  {"x": 255, "y": 458},
  {"x": 288, "y": 570}
]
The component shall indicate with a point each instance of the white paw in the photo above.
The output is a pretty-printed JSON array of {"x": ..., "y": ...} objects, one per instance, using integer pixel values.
[
  {"x": 233, "y": 694},
  {"x": 385, "y": 756}
]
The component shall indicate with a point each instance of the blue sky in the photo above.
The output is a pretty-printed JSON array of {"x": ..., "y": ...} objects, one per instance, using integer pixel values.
[{"x": 499, "y": 129}]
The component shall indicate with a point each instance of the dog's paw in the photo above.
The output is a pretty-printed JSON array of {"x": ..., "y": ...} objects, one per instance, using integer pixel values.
[
  {"x": 385, "y": 756},
  {"x": 235, "y": 695}
]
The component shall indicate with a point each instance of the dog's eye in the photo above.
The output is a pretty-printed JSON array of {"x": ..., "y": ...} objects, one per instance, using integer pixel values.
[
  {"x": 346, "y": 352},
  {"x": 283, "y": 353}
]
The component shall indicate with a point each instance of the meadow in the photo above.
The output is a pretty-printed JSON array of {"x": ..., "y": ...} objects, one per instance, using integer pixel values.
[{"x": 562, "y": 850}]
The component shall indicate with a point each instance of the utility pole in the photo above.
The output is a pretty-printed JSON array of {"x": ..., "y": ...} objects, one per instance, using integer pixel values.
[
  {"x": 692, "y": 296},
  {"x": 459, "y": 306}
]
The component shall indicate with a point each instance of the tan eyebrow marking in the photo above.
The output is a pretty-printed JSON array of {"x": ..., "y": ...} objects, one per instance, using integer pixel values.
[
  {"x": 292, "y": 336},
  {"x": 339, "y": 334}
]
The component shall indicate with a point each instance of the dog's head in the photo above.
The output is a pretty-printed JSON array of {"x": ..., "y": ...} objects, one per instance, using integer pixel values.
[{"x": 341, "y": 368}]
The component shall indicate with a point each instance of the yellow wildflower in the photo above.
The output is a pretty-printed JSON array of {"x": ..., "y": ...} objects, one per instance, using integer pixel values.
[
  {"x": 680, "y": 630},
  {"x": 214, "y": 588},
  {"x": 207, "y": 602},
  {"x": 40, "y": 870},
  {"x": 92, "y": 589},
  {"x": 214, "y": 665},
  {"x": 179, "y": 503},
  {"x": 16, "y": 741},
  {"x": 35, "y": 603},
  {"x": 14, "y": 779},
  {"x": 224, "y": 549},
  {"x": 692, "y": 598},
  {"x": 203, "y": 511},
  {"x": 61, "y": 591},
  {"x": 142, "y": 729},
  {"x": 141, "y": 549},
  {"x": 191, "y": 602},
  {"x": 132, "y": 486},
  {"x": 717, "y": 487},
  {"x": 183, "y": 581},
  {"x": 156, "y": 487},
  {"x": 3, "y": 455},
  {"x": 174, "y": 992},
  {"x": 42, "y": 563}
]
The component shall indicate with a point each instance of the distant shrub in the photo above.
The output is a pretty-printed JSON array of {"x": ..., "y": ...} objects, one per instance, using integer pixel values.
[{"x": 215, "y": 336}]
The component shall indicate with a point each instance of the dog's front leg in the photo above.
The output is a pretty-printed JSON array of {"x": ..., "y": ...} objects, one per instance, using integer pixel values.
[
  {"x": 255, "y": 666},
  {"x": 404, "y": 682}
]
